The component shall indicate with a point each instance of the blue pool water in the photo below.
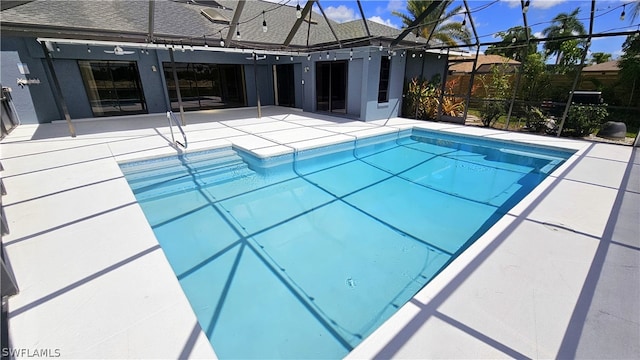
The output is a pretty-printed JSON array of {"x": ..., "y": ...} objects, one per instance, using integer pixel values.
[{"x": 304, "y": 255}]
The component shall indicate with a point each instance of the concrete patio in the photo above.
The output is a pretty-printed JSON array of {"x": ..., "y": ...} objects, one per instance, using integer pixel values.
[{"x": 558, "y": 277}]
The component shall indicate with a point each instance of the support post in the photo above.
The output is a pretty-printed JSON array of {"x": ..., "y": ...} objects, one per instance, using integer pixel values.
[
  {"x": 255, "y": 75},
  {"x": 579, "y": 72},
  {"x": 175, "y": 81},
  {"x": 58, "y": 90}
]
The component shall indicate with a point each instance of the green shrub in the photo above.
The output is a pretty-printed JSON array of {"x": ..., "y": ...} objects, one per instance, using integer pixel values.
[
  {"x": 535, "y": 119},
  {"x": 491, "y": 110},
  {"x": 584, "y": 119}
]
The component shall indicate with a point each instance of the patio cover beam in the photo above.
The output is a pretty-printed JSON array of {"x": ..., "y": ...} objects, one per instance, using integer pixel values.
[
  {"x": 416, "y": 22},
  {"x": 364, "y": 19},
  {"x": 296, "y": 25},
  {"x": 329, "y": 23},
  {"x": 579, "y": 72},
  {"x": 234, "y": 23}
]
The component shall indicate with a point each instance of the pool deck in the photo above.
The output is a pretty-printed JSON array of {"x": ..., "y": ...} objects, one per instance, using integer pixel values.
[{"x": 557, "y": 277}]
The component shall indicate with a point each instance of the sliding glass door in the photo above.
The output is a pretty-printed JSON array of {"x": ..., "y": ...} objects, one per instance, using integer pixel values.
[
  {"x": 206, "y": 86},
  {"x": 331, "y": 86},
  {"x": 113, "y": 87}
]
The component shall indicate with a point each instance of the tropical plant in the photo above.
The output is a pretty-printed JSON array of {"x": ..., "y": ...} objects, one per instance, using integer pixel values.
[
  {"x": 421, "y": 99},
  {"x": 599, "y": 57},
  {"x": 630, "y": 65},
  {"x": 635, "y": 11},
  {"x": 511, "y": 48},
  {"x": 496, "y": 87},
  {"x": 452, "y": 105},
  {"x": 571, "y": 55},
  {"x": 562, "y": 25},
  {"x": 447, "y": 32},
  {"x": 535, "y": 80}
]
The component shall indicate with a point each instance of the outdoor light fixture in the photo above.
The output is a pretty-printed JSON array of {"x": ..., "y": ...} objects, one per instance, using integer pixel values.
[
  {"x": 205, "y": 41},
  {"x": 513, "y": 40},
  {"x": 298, "y": 11},
  {"x": 57, "y": 48},
  {"x": 525, "y": 8},
  {"x": 464, "y": 21},
  {"x": 277, "y": 58},
  {"x": 351, "y": 53},
  {"x": 264, "y": 23},
  {"x": 327, "y": 55},
  {"x": 238, "y": 31},
  {"x": 292, "y": 58},
  {"x": 88, "y": 49},
  {"x": 624, "y": 6},
  {"x": 309, "y": 57}
]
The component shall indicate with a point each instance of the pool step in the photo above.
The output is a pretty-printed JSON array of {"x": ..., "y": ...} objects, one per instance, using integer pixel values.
[
  {"x": 165, "y": 176},
  {"x": 160, "y": 167}
]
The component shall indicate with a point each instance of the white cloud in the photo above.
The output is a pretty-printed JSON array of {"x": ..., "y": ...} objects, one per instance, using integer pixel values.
[
  {"x": 512, "y": 3},
  {"x": 382, "y": 21},
  {"x": 396, "y": 5},
  {"x": 538, "y": 34},
  {"x": 545, "y": 4},
  {"x": 341, "y": 13}
]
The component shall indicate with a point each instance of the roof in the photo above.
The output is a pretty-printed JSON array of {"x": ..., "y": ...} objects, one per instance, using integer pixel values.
[
  {"x": 484, "y": 63},
  {"x": 608, "y": 66},
  {"x": 178, "y": 20}
]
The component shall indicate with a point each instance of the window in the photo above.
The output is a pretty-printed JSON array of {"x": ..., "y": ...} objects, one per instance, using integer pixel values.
[
  {"x": 113, "y": 87},
  {"x": 383, "y": 85}
]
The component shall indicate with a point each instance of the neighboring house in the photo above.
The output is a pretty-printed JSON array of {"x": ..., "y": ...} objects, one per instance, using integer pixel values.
[
  {"x": 108, "y": 61},
  {"x": 461, "y": 68},
  {"x": 605, "y": 68}
]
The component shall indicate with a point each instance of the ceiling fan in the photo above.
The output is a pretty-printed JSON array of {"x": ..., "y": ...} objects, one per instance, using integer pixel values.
[{"x": 119, "y": 51}]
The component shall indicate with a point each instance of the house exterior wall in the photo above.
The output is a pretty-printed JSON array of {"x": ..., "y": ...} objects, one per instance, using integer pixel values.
[{"x": 38, "y": 104}]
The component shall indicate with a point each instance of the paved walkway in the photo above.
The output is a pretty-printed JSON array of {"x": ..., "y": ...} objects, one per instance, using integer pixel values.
[{"x": 556, "y": 277}]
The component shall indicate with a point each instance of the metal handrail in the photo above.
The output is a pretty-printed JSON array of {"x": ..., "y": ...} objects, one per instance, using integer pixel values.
[{"x": 172, "y": 119}]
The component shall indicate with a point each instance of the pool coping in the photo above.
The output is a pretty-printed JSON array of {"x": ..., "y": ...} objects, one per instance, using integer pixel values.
[{"x": 435, "y": 310}]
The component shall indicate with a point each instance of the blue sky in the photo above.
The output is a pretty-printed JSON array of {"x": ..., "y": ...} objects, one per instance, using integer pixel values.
[{"x": 491, "y": 17}]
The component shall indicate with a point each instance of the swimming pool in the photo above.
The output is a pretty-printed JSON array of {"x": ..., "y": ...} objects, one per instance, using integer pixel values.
[{"x": 305, "y": 254}]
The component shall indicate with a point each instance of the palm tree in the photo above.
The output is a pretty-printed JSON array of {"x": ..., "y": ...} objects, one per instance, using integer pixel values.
[
  {"x": 635, "y": 11},
  {"x": 447, "y": 32},
  {"x": 600, "y": 57},
  {"x": 562, "y": 25}
]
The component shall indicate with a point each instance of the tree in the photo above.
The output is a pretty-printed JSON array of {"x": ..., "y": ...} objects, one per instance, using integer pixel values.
[
  {"x": 535, "y": 80},
  {"x": 599, "y": 57},
  {"x": 496, "y": 88},
  {"x": 517, "y": 50},
  {"x": 562, "y": 25},
  {"x": 630, "y": 65},
  {"x": 572, "y": 53},
  {"x": 447, "y": 32}
]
